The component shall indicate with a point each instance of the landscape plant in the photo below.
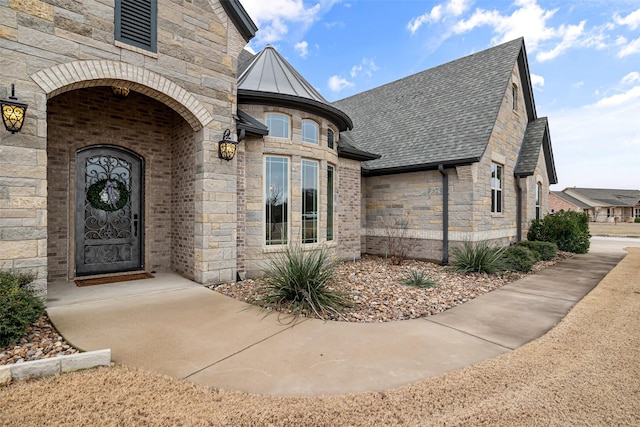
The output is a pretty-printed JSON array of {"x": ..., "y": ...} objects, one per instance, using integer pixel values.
[
  {"x": 518, "y": 258},
  {"x": 567, "y": 229},
  {"x": 418, "y": 279},
  {"x": 481, "y": 257},
  {"x": 636, "y": 220},
  {"x": 19, "y": 306},
  {"x": 544, "y": 251},
  {"x": 298, "y": 281}
]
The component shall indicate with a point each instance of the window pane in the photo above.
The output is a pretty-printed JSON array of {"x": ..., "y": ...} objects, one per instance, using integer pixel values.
[
  {"x": 276, "y": 200},
  {"x": 309, "y": 131},
  {"x": 309, "y": 201},
  {"x": 330, "y": 174},
  {"x": 330, "y": 138},
  {"x": 278, "y": 125},
  {"x": 496, "y": 188}
]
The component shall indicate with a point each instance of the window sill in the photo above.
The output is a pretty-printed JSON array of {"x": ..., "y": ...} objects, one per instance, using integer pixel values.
[{"x": 136, "y": 49}]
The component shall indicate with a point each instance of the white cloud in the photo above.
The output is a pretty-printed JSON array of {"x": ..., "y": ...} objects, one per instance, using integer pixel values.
[
  {"x": 629, "y": 49},
  {"x": 453, "y": 8},
  {"x": 302, "y": 48},
  {"x": 337, "y": 83},
  {"x": 366, "y": 66},
  {"x": 536, "y": 80},
  {"x": 274, "y": 16},
  {"x": 632, "y": 20},
  {"x": 631, "y": 78},
  {"x": 601, "y": 136},
  {"x": 620, "y": 99}
]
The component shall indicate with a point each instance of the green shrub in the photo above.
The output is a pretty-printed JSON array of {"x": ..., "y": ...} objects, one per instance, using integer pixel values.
[
  {"x": 476, "y": 257},
  {"x": 636, "y": 220},
  {"x": 567, "y": 229},
  {"x": 518, "y": 258},
  {"x": 417, "y": 278},
  {"x": 19, "y": 306},
  {"x": 544, "y": 251},
  {"x": 300, "y": 282}
]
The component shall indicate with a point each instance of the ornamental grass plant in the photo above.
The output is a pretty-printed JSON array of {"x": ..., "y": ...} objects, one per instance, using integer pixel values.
[
  {"x": 476, "y": 257},
  {"x": 299, "y": 282},
  {"x": 418, "y": 279}
]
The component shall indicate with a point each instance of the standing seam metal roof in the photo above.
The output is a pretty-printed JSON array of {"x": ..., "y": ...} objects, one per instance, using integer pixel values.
[{"x": 270, "y": 79}]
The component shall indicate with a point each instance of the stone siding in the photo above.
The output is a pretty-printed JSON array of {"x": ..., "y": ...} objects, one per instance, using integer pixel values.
[
  {"x": 255, "y": 252},
  {"x": 49, "y": 48}
]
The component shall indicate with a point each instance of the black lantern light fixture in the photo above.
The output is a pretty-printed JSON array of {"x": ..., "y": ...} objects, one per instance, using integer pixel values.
[
  {"x": 13, "y": 112},
  {"x": 227, "y": 147}
]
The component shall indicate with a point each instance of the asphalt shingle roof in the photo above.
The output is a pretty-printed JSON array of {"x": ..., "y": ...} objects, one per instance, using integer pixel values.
[
  {"x": 536, "y": 138},
  {"x": 609, "y": 197},
  {"x": 442, "y": 115}
]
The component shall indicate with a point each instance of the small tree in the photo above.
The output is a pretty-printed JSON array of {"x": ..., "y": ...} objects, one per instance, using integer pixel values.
[
  {"x": 396, "y": 234},
  {"x": 567, "y": 229}
]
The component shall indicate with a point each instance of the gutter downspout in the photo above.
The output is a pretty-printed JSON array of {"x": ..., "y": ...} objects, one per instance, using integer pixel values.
[
  {"x": 445, "y": 215},
  {"x": 519, "y": 210}
]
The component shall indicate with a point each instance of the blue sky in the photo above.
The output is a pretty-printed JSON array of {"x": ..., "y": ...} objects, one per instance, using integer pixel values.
[{"x": 584, "y": 58}]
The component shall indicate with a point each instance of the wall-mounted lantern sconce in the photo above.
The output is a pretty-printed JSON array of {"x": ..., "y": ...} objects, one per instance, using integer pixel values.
[
  {"x": 120, "y": 92},
  {"x": 227, "y": 147},
  {"x": 13, "y": 112}
]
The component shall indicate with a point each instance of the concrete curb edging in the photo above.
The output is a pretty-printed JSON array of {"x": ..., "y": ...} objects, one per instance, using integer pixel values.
[{"x": 55, "y": 365}]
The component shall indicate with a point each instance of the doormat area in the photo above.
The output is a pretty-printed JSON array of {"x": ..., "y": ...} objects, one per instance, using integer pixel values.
[{"x": 113, "y": 279}]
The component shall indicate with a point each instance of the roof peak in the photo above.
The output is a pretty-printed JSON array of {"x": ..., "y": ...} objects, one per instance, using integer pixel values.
[{"x": 271, "y": 79}]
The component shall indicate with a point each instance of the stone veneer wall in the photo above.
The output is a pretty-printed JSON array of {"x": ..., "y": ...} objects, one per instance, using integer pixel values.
[
  {"x": 255, "y": 253},
  {"x": 76, "y": 119},
  {"x": 50, "y": 47}
]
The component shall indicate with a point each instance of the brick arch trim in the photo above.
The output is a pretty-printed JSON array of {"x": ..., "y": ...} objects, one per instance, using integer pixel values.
[{"x": 81, "y": 74}]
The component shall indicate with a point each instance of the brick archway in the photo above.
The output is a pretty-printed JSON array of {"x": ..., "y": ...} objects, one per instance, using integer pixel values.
[{"x": 82, "y": 74}]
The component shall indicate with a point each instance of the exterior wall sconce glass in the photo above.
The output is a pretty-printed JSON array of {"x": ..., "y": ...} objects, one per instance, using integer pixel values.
[
  {"x": 227, "y": 147},
  {"x": 13, "y": 112},
  {"x": 120, "y": 92}
]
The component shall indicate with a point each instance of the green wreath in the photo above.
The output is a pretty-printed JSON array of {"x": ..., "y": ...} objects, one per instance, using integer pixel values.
[{"x": 108, "y": 195}]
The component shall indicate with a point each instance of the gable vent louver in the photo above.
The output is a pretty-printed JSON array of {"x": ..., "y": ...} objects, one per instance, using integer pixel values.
[{"x": 136, "y": 22}]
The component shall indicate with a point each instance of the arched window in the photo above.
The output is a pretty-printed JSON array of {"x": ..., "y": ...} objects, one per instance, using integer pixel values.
[
  {"x": 278, "y": 125},
  {"x": 309, "y": 131}
]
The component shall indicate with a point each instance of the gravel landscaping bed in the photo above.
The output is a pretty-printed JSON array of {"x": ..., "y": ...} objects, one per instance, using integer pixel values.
[
  {"x": 42, "y": 341},
  {"x": 373, "y": 285}
]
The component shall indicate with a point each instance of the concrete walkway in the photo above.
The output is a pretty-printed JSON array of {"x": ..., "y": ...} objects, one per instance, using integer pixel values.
[{"x": 175, "y": 327}]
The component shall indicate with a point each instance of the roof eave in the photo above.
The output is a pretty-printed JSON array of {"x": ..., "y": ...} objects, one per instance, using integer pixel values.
[
  {"x": 355, "y": 154},
  {"x": 339, "y": 118},
  {"x": 418, "y": 168},
  {"x": 240, "y": 19}
]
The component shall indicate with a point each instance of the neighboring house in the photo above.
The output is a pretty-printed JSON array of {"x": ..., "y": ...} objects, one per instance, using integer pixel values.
[
  {"x": 464, "y": 155},
  {"x": 119, "y": 165},
  {"x": 559, "y": 201},
  {"x": 601, "y": 204}
]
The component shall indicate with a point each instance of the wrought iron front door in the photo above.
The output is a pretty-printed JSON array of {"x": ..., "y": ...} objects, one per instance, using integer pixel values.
[{"x": 108, "y": 230}]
